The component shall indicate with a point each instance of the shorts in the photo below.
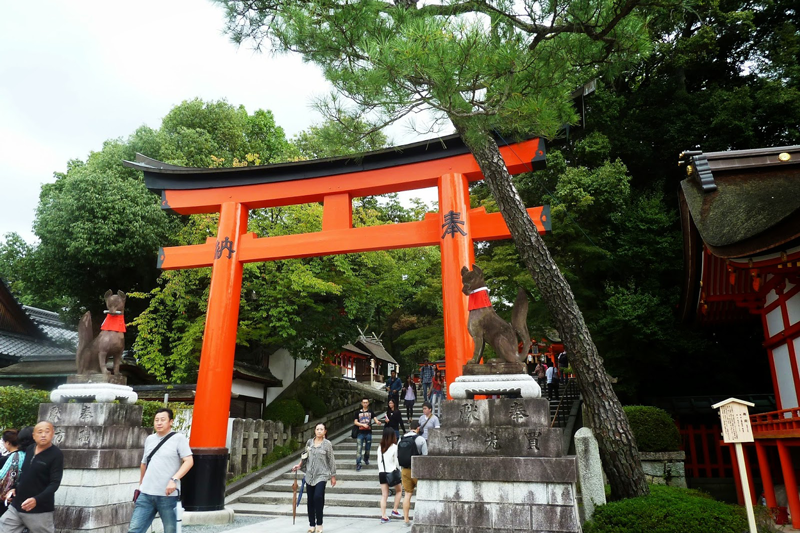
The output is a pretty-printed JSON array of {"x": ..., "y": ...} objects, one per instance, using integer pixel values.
[{"x": 409, "y": 483}]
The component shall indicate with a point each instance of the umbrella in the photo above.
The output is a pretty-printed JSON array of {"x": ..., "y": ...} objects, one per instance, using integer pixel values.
[
  {"x": 294, "y": 498},
  {"x": 302, "y": 489}
]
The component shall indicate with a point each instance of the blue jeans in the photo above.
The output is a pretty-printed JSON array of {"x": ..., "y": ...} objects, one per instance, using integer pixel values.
[
  {"x": 315, "y": 503},
  {"x": 145, "y": 510},
  {"x": 363, "y": 440},
  {"x": 426, "y": 387}
]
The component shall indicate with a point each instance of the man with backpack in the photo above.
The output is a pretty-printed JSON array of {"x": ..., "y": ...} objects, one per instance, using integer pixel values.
[
  {"x": 410, "y": 444},
  {"x": 563, "y": 363}
]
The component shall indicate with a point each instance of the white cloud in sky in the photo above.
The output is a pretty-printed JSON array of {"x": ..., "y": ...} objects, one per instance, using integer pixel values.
[{"x": 74, "y": 74}]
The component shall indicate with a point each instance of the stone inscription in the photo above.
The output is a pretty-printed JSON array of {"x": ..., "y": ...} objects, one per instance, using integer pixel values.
[
  {"x": 86, "y": 414},
  {"x": 469, "y": 411},
  {"x": 54, "y": 415},
  {"x": 533, "y": 439},
  {"x": 492, "y": 441},
  {"x": 518, "y": 412}
]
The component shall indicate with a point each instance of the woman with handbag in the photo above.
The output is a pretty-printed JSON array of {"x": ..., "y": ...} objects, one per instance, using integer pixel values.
[
  {"x": 389, "y": 472},
  {"x": 16, "y": 443},
  {"x": 319, "y": 464}
]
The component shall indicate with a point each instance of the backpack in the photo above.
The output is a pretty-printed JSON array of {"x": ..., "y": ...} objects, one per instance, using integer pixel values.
[
  {"x": 406, "y": 449},
  {"x": 562, "y": 360}
]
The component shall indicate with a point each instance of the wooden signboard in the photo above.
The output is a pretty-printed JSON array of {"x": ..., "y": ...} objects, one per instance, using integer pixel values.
[{"x": 735, "y": 423}]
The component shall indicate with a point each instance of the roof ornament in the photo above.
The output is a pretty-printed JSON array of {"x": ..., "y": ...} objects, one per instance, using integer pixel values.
[{"x": 697, "y": 167}]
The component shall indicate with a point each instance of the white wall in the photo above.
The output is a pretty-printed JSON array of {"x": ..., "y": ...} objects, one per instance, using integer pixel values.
[
  {"x": 247, "y": 388},
  {"x": 284, "y": 367}
]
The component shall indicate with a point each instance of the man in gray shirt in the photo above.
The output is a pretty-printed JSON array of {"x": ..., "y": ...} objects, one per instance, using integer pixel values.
[{"x": 159, "y": 484}]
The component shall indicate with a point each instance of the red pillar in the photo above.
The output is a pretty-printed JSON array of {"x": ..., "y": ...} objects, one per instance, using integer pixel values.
[
  {"x": 457, "y": 251},
  {"x": 213, "y": 399},
  {"x": 766, "y": 475},
  {"x": 790, "y": 482}
]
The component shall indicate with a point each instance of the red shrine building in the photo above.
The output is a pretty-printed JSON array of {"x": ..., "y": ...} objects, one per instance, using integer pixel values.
[{"x": 740, "y": 213}]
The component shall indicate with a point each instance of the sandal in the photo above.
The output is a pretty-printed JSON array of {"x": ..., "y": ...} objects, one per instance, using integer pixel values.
[
  {"x": 312, "y": 529},
  {"x": 319, "y": 529}
]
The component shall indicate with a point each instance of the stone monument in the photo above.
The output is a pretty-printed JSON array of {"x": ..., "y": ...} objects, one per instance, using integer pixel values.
[
  {"x": 496, "y": 466},
  {"x": 102, "y": 442},
  {"x": 102, "y": 445}
]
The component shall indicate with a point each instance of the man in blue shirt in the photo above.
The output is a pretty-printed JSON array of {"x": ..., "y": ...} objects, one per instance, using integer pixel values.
[
  {"x": 393, "y": 387},
  {"x": 426, "y": 376}
]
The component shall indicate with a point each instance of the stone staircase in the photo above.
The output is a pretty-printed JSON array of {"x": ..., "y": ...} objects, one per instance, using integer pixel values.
[{"x": 356, "y": 494}]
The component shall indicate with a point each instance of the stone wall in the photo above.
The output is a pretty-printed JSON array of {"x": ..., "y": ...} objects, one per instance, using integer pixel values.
[{"x": 664, "y": 468}]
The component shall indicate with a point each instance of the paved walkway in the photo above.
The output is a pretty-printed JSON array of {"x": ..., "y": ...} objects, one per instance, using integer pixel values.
[{"x": 281, "y": 524}]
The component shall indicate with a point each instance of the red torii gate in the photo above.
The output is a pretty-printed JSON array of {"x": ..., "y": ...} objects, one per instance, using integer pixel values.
[{"x": 232, "y": 192}]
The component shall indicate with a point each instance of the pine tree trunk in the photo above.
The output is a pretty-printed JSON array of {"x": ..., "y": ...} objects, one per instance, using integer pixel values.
[{"x": 618, "y": 449}]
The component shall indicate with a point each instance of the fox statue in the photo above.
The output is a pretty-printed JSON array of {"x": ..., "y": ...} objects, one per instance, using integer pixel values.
[
  {"x": 94, "y": 352},
  {"x": 486, "y": 326}
]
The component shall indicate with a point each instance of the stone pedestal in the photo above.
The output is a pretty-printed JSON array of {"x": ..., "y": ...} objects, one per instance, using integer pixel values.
[
  {"x": 94, "y": 387},
  {"x": 102, "y": 445},
  {"x": 496, "y": 466}
]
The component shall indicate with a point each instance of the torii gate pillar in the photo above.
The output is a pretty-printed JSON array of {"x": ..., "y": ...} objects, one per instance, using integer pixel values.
[{"x": 457, "y": 250}]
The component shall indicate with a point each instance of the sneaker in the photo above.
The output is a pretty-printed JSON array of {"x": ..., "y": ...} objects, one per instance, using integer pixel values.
[
  {"x": 358, "y": 468},
  {"x": 366, "y": 461},
  {"x": 384, "y": 520},
  {"x": 395, "y": 514}
]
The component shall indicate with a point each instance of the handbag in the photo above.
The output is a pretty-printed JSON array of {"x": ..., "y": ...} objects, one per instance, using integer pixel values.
[
  {"x": 393, "y": 478},
  {"x": 10, "y": 479},
  {"x": 136, "y": 492},
  {"x": 354, "y": 432}
]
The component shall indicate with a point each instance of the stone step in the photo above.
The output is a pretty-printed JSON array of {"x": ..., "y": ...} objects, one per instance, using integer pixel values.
[
  {"x": 332, "y": 498},
  {"x": 349, "y": 486},
  {"x": 333, "y": 511},
  {"x": 347, "y": 475}
]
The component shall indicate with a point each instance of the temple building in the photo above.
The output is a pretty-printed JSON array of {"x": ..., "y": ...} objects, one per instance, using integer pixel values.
[{"x": 740, "y": 213}]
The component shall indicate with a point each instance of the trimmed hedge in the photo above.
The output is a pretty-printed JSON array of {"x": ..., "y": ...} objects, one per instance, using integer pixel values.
[
  {"x": 315, "y": 404},
  {"x": 290, "y": 412},
  {"x": 668, "y": 510},
  {"x": 149, "y": 409},
  {"x": 653, "y": 428},
  {"x": 19, "y": 407}
]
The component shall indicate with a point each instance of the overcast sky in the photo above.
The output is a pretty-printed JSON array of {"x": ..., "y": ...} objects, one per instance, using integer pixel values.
[{"x": 74, "y": 74}]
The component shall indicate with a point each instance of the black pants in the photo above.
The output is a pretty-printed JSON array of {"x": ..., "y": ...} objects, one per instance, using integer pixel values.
[
  {"x": 315, "y": 501},
  {"x": 409, "y": 408}
]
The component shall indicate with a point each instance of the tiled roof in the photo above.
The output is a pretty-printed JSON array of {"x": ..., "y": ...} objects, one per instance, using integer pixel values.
[
  {"x": 51, "y": 324},
  {"x": 375, "y": 347},
  {"x": 15, "y": 345}
]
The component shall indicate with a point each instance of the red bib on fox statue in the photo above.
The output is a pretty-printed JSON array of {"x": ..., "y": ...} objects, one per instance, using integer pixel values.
[
  {"x": 479, "y": 299},
  {"x": 114, "y": 323}
]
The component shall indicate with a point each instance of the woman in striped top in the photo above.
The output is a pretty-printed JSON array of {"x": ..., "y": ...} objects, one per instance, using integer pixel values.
[{"x": 319, "y": 465}]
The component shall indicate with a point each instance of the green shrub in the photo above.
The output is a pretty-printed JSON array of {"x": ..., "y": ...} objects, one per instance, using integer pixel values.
[
  {"x": 149, "y": 409},
  {"x": 279, "y": 452},
  {"x": 19, "y": 407},
  {"x": 315, "y": 404},
  {"x": 654, "y": 429},
  {"x": 290, "y": 412},
  {"x": 668, "y": 510}
]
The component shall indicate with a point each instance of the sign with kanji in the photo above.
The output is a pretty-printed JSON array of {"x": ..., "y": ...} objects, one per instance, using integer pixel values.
[{"x": 735, "y": 420}]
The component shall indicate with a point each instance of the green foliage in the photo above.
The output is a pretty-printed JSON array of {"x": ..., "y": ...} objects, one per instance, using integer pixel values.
[
  {"x": 289, "y": 411},
  {"x": 149, "y": 409},
  {"x": 669, "y": 510},
  {"x": 653, "y": 428},
  {"x": 350, "y": 135},
  {"x": 279, "y": 452},
  {"x": 19, "y": 407},
  {"x": 312, "y": 402}
]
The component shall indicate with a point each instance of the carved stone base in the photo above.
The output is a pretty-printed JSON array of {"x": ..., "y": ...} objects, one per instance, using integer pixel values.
[
  {"x": 87, "y": 392},
  {"x": 97, "y": 378},
  {"x": 521, "y": 385},
  {"x": 493, "y": 367}
]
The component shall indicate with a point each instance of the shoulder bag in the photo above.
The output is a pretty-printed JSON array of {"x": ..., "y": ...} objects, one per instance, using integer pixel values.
[
  {"x": 147, "y": 462},
  {"x": 393, "y": 478},
  {"x": 10, "y": 479}
]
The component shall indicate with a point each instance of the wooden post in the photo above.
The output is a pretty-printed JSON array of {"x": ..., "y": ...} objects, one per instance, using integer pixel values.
[
  {"x": 259, "y": 429},
  {"x": 735, "y": 430},
  {"x": 269, "y": 428},
  {"x": 249, "y": 425},
  {"x": 236, "y": 447}
]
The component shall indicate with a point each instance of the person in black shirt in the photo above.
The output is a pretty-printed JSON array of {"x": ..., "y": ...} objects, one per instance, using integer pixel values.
[
  {"x": 394, "y": 418},
  {"x": 33, "y": 499},
  {"x": 364, "y": 420}
]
